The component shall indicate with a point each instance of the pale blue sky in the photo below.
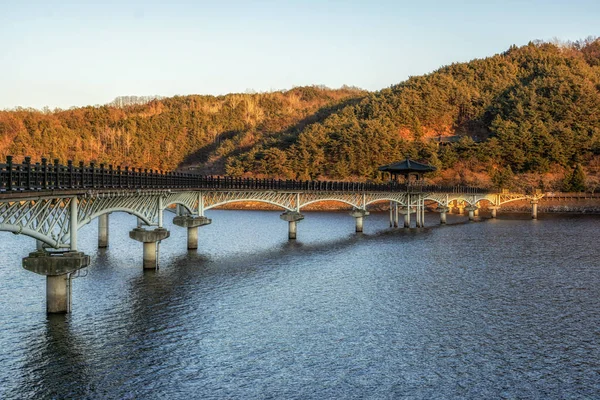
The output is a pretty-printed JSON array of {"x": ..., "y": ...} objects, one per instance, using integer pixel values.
[{"x": 73, "y": 53}]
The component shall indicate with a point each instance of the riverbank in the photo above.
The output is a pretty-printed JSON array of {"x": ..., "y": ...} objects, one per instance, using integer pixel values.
[
  {"x": 554, "y": 205},
  {"x": 571, "y": 206}
]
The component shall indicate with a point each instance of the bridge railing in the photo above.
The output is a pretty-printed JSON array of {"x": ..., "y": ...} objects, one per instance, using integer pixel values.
[{"x": 27, "y": 177}]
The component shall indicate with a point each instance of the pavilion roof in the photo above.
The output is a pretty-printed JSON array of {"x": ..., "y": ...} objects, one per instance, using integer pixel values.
[{"x": 406, "y": 166}]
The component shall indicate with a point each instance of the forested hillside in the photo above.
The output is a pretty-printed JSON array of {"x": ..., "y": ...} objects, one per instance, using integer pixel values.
[
  {"x": 166, "y": 133},
  {"x": 525, "y": 117},
  {"x": 532, "y": 111}
]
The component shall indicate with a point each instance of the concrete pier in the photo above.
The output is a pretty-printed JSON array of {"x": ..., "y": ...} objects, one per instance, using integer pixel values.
[
  {"x": 534, "y": 209},
  {"x": 192, "y": 223},
  {"x": 149, "y": 238},
  {"x": 406, "y": 212},
  {"x": 359, "y": 216},
  {"x": 103, "y": 231},
  {"x": 192, "y": 238},
  {"x": 419, "y": 217},
  {"x": 494, "y": 210},
  {"x": 292, "y": 217},
  {"x": 471, "y": 210},
  {"x": 149, "y": 256},
  {"x": 443, "y": 211},
  {"x": 57, "y": 267}
]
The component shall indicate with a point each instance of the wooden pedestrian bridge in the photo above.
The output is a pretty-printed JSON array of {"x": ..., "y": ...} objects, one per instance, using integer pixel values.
[{"x": 50, "y": 202}]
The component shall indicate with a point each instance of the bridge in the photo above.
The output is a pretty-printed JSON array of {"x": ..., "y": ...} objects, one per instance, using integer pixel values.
[{"x": 50, "y": 202}]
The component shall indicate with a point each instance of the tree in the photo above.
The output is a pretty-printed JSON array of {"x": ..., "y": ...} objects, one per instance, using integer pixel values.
[
  {"x": 578, "y": 178},
  {"x": 503, "y": 177}
]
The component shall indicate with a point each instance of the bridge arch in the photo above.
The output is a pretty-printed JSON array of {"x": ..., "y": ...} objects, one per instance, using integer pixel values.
[
  {"x": 19, "y": 230},
  {"x": 490, "y": 201},
  {"x": 437, "y": 201},
  {"x": 95, "y": 215},
  {"x": 333, "y": 200},
  {"x": 515, "y": 199},
  {"x": 386, "y": 199},
  {"x": 181, "y": 203},
  {"x": 467, "y": 200},
  {"x": 231, "y": 201}
]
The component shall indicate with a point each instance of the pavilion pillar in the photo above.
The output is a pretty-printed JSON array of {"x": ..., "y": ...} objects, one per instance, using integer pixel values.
[
  {"x": 419, "y": 216},
  {"x": 391, "y": 214},
  {"x": 406, "y": 212},
  {"x": 395, "y": 215}
]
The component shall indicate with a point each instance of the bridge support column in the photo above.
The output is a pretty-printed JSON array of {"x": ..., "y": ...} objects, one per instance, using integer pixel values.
[
  {"x": 461, "y": 208},
  {"x": 292, "y": 217},
  {"x": 406, "y": 212},
  {"x": 58, "y": 269},
  {"x": 359, "y": 216},
  {"x": 534, "y": 209},
  {"x": 476, "y": 211},
  {"x": 192, "y": 238},
  {"x": 494, "y": 210},
  {"x": 471, "y": 210},
  {"x": 419, "y": 216},
  {"x": 103, "y": 231},
  {"x": 443, "y": 210},
  {"x": 192, "y": 224},
  {"x": 149, "y": 238}
]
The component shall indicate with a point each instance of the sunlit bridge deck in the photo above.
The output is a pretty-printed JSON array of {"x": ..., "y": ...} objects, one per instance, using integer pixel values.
[{"x": 50, "y": 202}]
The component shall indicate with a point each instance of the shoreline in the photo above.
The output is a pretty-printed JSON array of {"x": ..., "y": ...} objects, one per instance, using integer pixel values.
[{"x": 552, "y": 206}]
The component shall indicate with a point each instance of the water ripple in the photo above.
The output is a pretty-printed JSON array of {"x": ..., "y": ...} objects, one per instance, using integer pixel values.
[{"x": 501, "y": 309}]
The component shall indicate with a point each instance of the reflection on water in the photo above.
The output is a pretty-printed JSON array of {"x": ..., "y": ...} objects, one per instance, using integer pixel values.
[{"x": 506, "y": 308}]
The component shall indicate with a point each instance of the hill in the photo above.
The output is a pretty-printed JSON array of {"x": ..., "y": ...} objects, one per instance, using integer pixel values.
[
  {"x": 527, "y": 116},
  {"x": 533, "y": 111},
  {"x": 169, "y": 132}
]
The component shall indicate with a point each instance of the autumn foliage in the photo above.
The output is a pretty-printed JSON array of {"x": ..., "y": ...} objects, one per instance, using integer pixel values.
[{"x": 529, "y": 116}]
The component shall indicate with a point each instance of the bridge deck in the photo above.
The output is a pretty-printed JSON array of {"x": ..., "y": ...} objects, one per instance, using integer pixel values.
[{"x": 57, "y": 179}]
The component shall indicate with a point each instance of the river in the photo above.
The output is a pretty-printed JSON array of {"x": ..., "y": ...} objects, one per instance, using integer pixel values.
[{"x": 505, "y": 308}]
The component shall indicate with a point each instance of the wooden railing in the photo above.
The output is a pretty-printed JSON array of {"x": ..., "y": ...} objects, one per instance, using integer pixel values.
[{"x": 27, "y": 177}]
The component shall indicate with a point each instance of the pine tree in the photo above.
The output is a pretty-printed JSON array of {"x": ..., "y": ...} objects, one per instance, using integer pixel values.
[{"x": 578, "y": 179}]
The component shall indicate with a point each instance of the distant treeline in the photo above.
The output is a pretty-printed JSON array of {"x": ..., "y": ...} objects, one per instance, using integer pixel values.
[
  {"x": 122, "y": 101},
  {"x": 528, "y": 116}
]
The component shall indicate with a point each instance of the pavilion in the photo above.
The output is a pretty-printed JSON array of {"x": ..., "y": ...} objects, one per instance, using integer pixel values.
[{"x": 411, "y": 170}]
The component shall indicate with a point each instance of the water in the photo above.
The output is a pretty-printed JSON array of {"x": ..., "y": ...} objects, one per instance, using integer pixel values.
[{"x": 505, "y": 308}]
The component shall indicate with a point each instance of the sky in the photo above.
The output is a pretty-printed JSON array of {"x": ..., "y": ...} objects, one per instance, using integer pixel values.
[{"x": 60, "y": 54}]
